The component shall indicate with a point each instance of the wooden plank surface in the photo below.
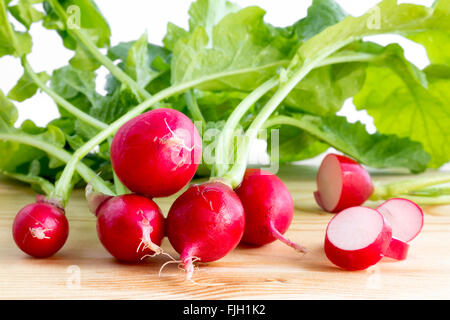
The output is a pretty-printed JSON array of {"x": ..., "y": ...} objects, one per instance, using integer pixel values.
[{"x": 271, "y": 272}]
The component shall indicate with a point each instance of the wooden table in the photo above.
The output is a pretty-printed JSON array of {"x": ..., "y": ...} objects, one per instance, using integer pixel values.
[{"x": 83, "y": 269}]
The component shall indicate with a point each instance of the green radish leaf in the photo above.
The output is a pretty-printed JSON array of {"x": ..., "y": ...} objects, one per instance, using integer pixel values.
[
  {"x": 321, "y": 14},
  {"x": 295, "y": 144},
  {"x": 240, "y": 45},
  {"x": 26, "y": 87},
  {"x": 84, "y": 60},
  {"x": 26, "y": 13},
  {"x": 410, "y": 103},
  {"x": 375, "y": 150},
  {"x": 83, "y": 16},
  {"x": 78, "y": 14},
  {"x": 12, "y": 42},
  {"x": 436, "y": 35}
]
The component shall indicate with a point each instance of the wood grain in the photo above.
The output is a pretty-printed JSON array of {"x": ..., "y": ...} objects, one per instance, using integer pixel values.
[{"x": 271, "y": 272}]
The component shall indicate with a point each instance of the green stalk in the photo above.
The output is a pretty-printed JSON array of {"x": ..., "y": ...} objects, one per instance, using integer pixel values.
[
  {"x": 60, "y": 100},
  {"x": 224, "y": 143},
  {"x": 45, "y": 185},
  {"x": 193, "y": 107},
  {"x": 236, "y": 173},
  {"x": 424, "y": 200},
  {"x": 62, "y": 187},
  {"x": 389, "y": 190},
  {"x": 85, "y": 172},
  {"x": 432, "y": 192},
  {"x": 78, "y": 34}
]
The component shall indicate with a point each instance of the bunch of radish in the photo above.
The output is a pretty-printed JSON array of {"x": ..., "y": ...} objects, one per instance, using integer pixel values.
[{"x": 156, "y": 154}]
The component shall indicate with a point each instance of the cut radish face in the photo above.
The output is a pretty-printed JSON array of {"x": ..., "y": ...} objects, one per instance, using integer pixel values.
[
  {"x": 397, "y": 249},
  {"x": 404, "y": 216},
  {"x": 342, "y": 183},
  {"x": 356, "y": 238}
]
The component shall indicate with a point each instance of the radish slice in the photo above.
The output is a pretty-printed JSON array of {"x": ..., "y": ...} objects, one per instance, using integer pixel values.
[
  {"x": 397, "y": 249},
  {"x": 356, "y": 238},
  {"x": 342, "y": 183},
  {"x": 404, "y": 216}
]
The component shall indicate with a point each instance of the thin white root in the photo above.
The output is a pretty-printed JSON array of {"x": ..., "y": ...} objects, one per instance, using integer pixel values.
[
  {"x": 149, "y": 245},
  {"x": 166, "y": 263}
]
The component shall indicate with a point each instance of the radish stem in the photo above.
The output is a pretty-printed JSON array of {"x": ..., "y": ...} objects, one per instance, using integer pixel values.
[
  {"x": 60, "y": 100},
  {"x": 223, "y": 148},
  {"x": 388, "y": 190},
  {"x": 85, "y": 172}
]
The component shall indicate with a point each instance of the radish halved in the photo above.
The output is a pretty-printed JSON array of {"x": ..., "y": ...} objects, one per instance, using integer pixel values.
[
  {"x": 357, "y": 238},
  {"x": 404, "y": 216},
  {"x": 342, "y": 183}
]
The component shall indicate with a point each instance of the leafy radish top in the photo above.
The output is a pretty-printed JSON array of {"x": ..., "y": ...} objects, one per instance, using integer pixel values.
[{"x": 295, "y": 78}]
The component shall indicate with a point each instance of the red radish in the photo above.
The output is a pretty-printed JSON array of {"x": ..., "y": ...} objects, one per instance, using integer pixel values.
[
  {"x": 40, "y": 229},
  {"x": 157, "y": 153},
  {"x": 268, "y": 208},
  {"x": 205, "y": 223},
  {"x": 357, "y": 238},
  {"x": 342, "y": 183},
  {"x": 397, "y": 249},
  {"x": 130, "y": 227},
  {"x": 405, "y": 217}
]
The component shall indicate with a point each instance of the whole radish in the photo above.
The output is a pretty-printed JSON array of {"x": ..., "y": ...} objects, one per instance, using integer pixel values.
[
  {"x": 357, "y": 238},
  {"x": 268, "y": 207},
  {"x": 130, "y": 227},
  {"x": 40, "y": 229},
  {"x": 342, "y": 183},
  {"x": 157, "y": 153},
  {"x": 205, "y": 223}
]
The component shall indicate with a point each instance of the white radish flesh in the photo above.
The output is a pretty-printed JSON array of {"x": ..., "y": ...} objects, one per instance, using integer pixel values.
[{"x": 404, "y": 216}]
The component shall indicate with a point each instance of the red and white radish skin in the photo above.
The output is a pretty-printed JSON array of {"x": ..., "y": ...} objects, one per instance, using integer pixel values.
[
  {"x": 268, "y": 207},
  {"x": 40, "y": 229},
  {"x": 342, "y": 183},
  {"x": 205, "y": 223},
  {"x": 157, "y": 153},
  {"x": 357, "y": 238},
  {"x": 397, "y": 249},
  {"x": 130, "y": 227},
  {"x": 404, "y": 216}
]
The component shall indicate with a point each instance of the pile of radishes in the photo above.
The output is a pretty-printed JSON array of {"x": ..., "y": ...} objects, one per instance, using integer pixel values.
[
  {"x": 155, "y": 155},
  {"x": 358, "y": 237}
]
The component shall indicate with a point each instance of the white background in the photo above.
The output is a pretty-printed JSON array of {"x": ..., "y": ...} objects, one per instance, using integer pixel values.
[{"x": 129, "y": 21}]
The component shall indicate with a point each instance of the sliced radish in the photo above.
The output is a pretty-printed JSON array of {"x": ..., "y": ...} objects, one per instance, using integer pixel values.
[
  {"x": 397, "y": 249},
  {"x": 404, "y": 216},
  {"x": 356, "y": 238},
  {"x": 342, "y": 183}
]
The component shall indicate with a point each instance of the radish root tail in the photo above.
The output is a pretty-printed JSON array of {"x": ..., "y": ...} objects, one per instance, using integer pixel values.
[
  {"x": 286, "y": 241},
  {"x": 188, "y": 265}
]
